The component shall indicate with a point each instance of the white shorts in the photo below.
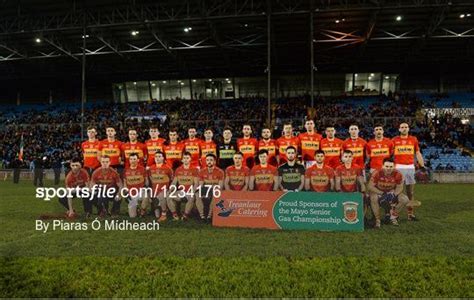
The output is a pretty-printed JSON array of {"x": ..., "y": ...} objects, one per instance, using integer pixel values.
[
  {"x": 133, "y": 202},
  {"x": 185, "y": 198},
  {"x": 408, "y": 172}
]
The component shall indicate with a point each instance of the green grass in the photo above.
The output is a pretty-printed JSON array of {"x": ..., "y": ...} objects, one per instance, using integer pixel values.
[{"x": 430, "y": 258}]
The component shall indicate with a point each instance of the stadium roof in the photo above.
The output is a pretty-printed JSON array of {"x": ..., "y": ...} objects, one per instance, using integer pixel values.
[{"x": 200, "y": 38}]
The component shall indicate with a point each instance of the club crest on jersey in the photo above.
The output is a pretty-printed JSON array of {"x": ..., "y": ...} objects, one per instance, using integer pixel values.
[{"x": 350, "y": 212}]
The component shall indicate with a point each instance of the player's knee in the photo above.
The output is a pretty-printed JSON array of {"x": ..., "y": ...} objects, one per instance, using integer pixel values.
[
  {"x": 374, "y": 198},
  {"x": 403, "y": 199}
]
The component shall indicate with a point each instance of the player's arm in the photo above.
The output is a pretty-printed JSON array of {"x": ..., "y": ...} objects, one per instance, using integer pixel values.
[
  {"x": 367, "y": 155},
  {"x": 93, "y": 180},
  {"x": 279, "y": 186},
  {"x": 198, "y": 187},
  {"x": 147, "y": 181},
  {"x": 67, "y": 180},
  {"x": 226, "y": 182},
  {"x": 276, "y": 181},
  {"x": 338, "y": 184},
  {"x": 145, "y": 155},
  {"x": 69, "y": 199},
  {"x": 373, "y": 188},
  {"x": 398, "y": 189},
  {"x": 279, "y": 180},
  {"x": 360, "y": 180},
  {"x": 246, "y": 183},
  {"x": 419, "y": 159},
  {"x": 88, "y": 181},
  {"x": 122, "y": 183},
  {"x": 332, "y": 183},
  {"x": 174, "y": 182},
  {"x": 171, "y": 174},
  {"x": 122, "y": 154},
  {"x": 302, "y": 184},
  {"x": 307, "y": 183},
  {"x": 200, "y": 182},
  {"x": 221, "y": 184},
  {"x": 251, "y": 183},
  {"x": 99, "y": 151}
]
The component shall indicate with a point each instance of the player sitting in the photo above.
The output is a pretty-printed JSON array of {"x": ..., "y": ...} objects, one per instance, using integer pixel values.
[
  {"x": 210, "y": 178},
  {"x": 182, "y": 188},
  {"x": 110, "y": 179},
  {"x": 135, "y": 179},
  {"x": 386, "y": 190},
  {"x": 160, "y": 175},
  {"x": 77, "y": 177}
]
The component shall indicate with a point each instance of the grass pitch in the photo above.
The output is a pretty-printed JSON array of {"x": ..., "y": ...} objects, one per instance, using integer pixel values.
[{"x": 430, "y": 258}]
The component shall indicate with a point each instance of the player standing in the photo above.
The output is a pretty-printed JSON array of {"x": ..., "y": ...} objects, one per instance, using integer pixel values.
[
  {"x": 135, "y": 179},
  {"x": 184, "y": 182},
  {"x": 386, "y": 189},
  {"x": 160, "y": 176},
  {"x": 356, "y": 145},
  {"x": 349, "y": 177},
  {"x": 133, "y": 146},
  {"x": 193, "y": 145},
  {"x": 319, "y": 177},
  {"x": 106, "y": 176},
  {"x": 285, "y": 141},
  {"x": 309, "y": 143},
  {"x": 291, "y": 173},
  {"x": 208, "y": 146},
  {"x": 237, "y": 176},
  {"x": 269, "y": 144},
  {"x": 90, "y": 151},
  {"x": 154, "y": 144},
  {"x": 248, "y": 145},
  {"x": 210, "y": 178},
  {"x": 263, "y": 177},
  {"x": 405, "y": 149},
  {"x": 378, "y": 149},
  {"x": 112, "y": 148},
  {"x": 226, "y": 149},
  {"x": 332, "y": 147},
  {"x": 173, "y": 149}
]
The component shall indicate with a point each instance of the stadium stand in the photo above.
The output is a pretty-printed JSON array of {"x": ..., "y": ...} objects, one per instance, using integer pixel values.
[{"x": 54, "y": 130}]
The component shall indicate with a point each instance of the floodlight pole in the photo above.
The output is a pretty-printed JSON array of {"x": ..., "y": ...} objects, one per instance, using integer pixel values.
[
  {"x": 269, "y": 64},
  {"x": 83, "y": 84},
  {"x": 311, "y": 43},
  {"x": 191, "y": 89},
  {"x": 150, "y": 93}
]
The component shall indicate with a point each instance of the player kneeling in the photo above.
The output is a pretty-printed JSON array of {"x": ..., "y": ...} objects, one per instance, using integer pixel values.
[
  {"x": 183, "y": 186},
  {"x": 160, "y": 175},
  {"x": 386, "y": 190},
  {"x": 77, "y": 177},
  {"x": 135, "y": 179}
]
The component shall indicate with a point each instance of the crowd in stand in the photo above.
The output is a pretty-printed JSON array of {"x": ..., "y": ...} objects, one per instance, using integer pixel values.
[{"x": 55, "y": 131}]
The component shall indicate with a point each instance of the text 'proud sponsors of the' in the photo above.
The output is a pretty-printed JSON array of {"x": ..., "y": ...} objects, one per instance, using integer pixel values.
[
  {"x": 319, "y": 211},
  {"x": 291, "y": 210}
]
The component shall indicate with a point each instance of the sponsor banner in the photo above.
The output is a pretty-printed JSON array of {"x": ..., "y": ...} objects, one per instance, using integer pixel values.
[{"x": 289, "y": 210}]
